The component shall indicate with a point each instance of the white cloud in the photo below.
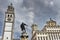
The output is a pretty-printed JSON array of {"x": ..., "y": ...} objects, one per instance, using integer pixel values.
[
  {"x": 49, "y": 2},
  {"x": 58, "y": 17},
  {"x": 0, "y": 37},
  {"x": 31, "y": 15},
  {"x": 52, "y": 3},
  {"x": 16, "y": 1},
  {"x": 3, "y": 10},
  {"x": 24, "y": 15}
]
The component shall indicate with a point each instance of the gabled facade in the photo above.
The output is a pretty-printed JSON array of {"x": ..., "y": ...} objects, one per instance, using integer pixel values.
[{"x": 51, "y": 31}]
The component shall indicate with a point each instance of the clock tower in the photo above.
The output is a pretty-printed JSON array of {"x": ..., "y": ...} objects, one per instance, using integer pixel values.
[{"x": 8, "y": 23}]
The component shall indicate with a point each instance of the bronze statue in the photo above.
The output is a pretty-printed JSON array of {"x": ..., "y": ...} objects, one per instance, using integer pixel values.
[{"x": 23, "y": 26}]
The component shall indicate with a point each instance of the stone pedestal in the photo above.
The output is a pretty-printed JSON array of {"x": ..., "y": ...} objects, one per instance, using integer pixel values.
[{"x": 24, "y": 36}]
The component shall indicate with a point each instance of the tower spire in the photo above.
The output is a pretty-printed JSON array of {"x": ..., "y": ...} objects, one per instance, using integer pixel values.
[
  {"x": 50, "y": 19},
  {"x": 10, "y": 8}
]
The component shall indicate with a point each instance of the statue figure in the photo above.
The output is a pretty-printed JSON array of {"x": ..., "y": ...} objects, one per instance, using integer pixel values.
[{"x": 23, "y": 26}]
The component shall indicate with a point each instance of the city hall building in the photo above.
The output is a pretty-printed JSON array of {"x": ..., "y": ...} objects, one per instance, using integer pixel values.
[{"x": 51, "y": 31}]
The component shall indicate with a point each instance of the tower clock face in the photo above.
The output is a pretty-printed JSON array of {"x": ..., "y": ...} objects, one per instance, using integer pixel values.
[{"x": 9, "y": 17}]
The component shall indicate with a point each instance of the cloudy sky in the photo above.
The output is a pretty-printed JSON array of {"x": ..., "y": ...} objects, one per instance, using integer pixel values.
[{"x": 29, "y": 12}]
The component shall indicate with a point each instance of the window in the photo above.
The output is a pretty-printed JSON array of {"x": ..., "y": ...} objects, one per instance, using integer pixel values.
[
  {"x": 46, "y": 38},
  {"x": 10, "y": 15},
  {"x": 38, "y": 38},
  {"x": 7, "y": 38},
  {"x": 41, "y": 38},
  {"x": 49, "y": 37},
  {"x": 59, "y": 37}
]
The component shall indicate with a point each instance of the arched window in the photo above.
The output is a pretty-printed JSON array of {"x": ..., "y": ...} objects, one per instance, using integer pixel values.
[
  {"x": 10, "y": 15},
  {"x": 7, "y": 38},
  {"x": 38, "y": 38}
]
